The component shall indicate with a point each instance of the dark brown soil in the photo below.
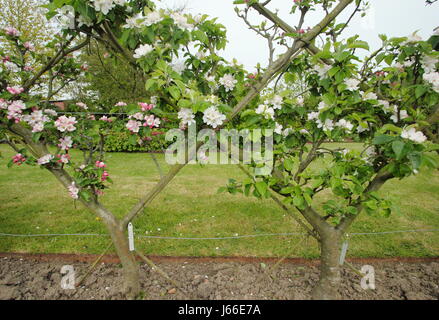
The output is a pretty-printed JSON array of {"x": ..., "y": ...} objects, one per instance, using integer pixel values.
[{"x": 34, "y": 277}]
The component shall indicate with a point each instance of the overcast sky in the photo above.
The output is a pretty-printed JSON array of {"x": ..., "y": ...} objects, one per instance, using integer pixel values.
[{"x": 391, "y": 17}]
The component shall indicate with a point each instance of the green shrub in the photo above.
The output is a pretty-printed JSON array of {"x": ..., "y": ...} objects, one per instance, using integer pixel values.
[{"x": 121, "y": 141}]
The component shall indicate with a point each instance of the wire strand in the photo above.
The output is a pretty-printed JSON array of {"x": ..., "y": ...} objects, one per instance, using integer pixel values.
[{"x": 207, "y": 238}]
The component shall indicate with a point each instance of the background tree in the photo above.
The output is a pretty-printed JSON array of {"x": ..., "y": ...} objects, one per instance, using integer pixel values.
[
  {"x": 111, "y": 77},
  {"x": 29, "y": 18}
]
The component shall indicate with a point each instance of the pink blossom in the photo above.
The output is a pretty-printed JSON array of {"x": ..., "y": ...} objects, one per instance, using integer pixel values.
[
  {"x": 28, "y": 68},
  {"x": 10, "y": 31},
  {"x": 82, "y": 105},
  {"x": 133, "y": 126},
  {"x": 18, "y": 159},
  {"x": 106, "y": 119},
  {"x": 38, "y": 127},
  {"x": 138, "y": 116},
  {"x": 121, "y": 104},
  {"x": 145, "y": 106},
  {"x": 151, "y": 121},
  {"x": 105, "y": 176},
  {"x": 64, "y": 123},
  {"x": 64, "y": 158},
  {"x": 45, "y": 159},
  {"x": 15, "y": 90},
  {"x": 29, "y": 46},
  {"x": 73, "y": 191},
  {"x": 65, "y": 143},
  {"x": 15, "y": 110},
  {"x": 100, "y": 164}
]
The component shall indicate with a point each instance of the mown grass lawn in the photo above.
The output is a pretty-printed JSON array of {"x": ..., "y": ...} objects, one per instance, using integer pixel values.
[{"x": 32, "y": 202}]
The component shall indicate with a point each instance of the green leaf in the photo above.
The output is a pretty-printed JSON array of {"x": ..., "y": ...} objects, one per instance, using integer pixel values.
[
  {"x": 288, "y": 164},
  {"x": 420, "y": 91},
  {"x": 382, "y": 139},
  {"x": 175, "y": 92},
  {"x": 359, "y": 44},
  {"x": 261, "y": 187},
  {"x": 299, "y": 202},
  {"x": 398, "y": 147}
]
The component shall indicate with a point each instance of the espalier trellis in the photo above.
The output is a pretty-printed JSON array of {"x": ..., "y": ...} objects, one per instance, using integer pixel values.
[{"x": 388, "y": 104}]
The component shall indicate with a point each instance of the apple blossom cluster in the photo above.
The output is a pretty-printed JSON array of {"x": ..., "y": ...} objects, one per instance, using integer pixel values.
[
  {"x": 46, "y": 159},
  {"x": 181, "y": 21},
  {"x": 186, "y": 116},
  {"x": 433, "y": 79},
  {"x": 18, "y": 159},
  {"x": 228, "y": 82},
  {"x": 142, "y": 51},
  {"x": 73, "y": 191},
  {"x": 15, "y": 90},
  {"x": 64, "y": 124},
  {"x": 213, "y": 117},
  {"x": 140, "y": 21},
  {"x": 105, "y": 6},
  {"x": 322, "y": 70},
  {"x": 67, "y": 18},
  {"x": 413, "y": 135},
  {"x": 11, "y": 31},
  {"x": 138, "y": 120}
]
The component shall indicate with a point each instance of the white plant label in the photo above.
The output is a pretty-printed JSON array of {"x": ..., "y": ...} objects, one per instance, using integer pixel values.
[
  {"x": 344, "y": 250},
  {"x": 131, "y": 236}
]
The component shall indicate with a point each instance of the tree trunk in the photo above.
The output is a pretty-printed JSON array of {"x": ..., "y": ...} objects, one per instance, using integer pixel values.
[
  {"x": 330, "y": 278},
  {"x": 130, "y": 267}
]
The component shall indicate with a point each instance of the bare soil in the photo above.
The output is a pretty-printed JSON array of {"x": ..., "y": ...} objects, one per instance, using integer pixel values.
[{"x": 38, "y": 277}]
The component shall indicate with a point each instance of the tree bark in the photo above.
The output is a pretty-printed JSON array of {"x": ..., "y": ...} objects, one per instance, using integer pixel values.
[
  {"x": 330, "y": 277},
  {"x": 130, "y": 267}
]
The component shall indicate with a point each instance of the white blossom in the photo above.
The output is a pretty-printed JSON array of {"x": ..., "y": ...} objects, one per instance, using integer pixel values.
[
  {"x": 135, "y": 22},
  {"x": 186, "y": 116},
  {"x": 213, "y": 117},
  {"x": 66, "y": 17},
  {"x": 413, "y": 38},
  {"x": 178, "y": 66},
  {"x": 103, "y": 6},
  {"x": 313, "y": 115},
  {"x": 322, "y": 70},
  {"x": 228, "y": 82},
  {"x": 370, "y": 96},
  {"x": 413, "y": 135},
  {"x": 45, "y": 159},
  {"x": 328, "y": 125},
  {"x": 152, "y": 18},
  {"x": 429, "y": 63},
  {"x": 181, "y": 21},
  {"x": 352, "y": 84},
  {"x": 322, "y": 105},
  {"x": 402, "y": 114},
  {"x": 143, "y": 50},
  {"x": 433, "y": 79},
  {"x": 265, "y": 110},
  {"x": 345, "y": 124},
  {"x": 277, "y": 102},
  {"x": 278, "y": 128}
]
